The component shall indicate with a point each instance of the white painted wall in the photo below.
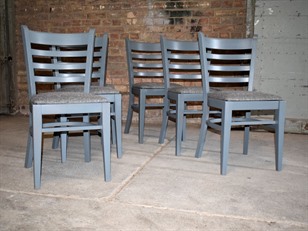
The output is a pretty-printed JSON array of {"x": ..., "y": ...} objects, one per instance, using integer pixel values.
[{"x": 282, "y": 63}]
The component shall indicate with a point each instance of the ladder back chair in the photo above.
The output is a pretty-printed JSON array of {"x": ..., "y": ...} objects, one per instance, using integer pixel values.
[
  {"x": 53, "y": 58},
  {"x": 232, "y": 61},
  {"x": 181, "y": 63},
  {"x": 99, "y": 87},
  {"x": 145, "y": 71}
]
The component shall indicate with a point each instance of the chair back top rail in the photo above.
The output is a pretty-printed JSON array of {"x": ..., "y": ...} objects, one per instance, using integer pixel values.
[
  {"x": 100, "y": 59},
  {"x": 181, "y": 60},
  {"x": 58, "y": 57}
]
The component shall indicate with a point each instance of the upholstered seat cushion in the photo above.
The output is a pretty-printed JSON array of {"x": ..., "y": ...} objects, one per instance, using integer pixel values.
[
  {"x": 149, "y": 85},
  {"x": 66, "y": 98},
  {"x": 186, "y": 90},
  {"x": 109, "y": 89},
  {"x": 243, "y": 96}
]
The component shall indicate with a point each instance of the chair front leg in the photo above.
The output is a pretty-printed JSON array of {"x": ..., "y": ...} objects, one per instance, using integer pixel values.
[
  {"x": 105, "y": 140},
  {"x": 37, "y": 144},
  {"x": 225, "y": 137}
]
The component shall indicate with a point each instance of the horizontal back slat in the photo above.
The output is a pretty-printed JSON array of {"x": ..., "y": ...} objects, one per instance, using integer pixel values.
[{"x": 228, "y": 61}]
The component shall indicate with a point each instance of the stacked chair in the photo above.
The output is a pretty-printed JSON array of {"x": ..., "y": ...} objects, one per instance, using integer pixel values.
[
  {"x": 57, "y": 58},
  {"x": 145, "y": 71},
  {"x": 99, "y": 87},
  {"x": 181, "y": 65}
]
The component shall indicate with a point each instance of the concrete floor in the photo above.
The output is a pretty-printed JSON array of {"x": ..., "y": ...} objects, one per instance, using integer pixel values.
[{"x": 151, "y": 188}]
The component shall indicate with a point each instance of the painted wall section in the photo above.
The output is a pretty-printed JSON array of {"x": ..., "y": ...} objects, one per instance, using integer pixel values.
[{"x": 282, "y": 67}]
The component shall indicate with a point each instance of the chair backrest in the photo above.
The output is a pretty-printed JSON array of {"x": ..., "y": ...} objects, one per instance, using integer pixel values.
[
  {"x": 228, "y": 61},
  {"x": 100, "y": 59},
  {"x": 181, "y": 60},
  {"x": 58, "y": 58},
  {"x": 144, "y": 61}
]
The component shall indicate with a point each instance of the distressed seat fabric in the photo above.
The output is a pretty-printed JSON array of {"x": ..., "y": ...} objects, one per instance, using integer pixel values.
[
  {"x": 186, "y": 90},
  {"x": 181, "y": 62},
  {"x": 145, "y": 72},
  {"x": 53, "y": 58},
  {"x": 229, "y": 62},
  {"x": 243, "y": 96},
  {"x": 66, "y": 97}
]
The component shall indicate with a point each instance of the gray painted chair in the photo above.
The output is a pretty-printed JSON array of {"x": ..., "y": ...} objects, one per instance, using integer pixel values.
[
  {"x": 53, "y": 58},
  {"x": 145, "y": 73},
  {"x": 232, "y": 61},
  {"x": 181, "y": 63},
  {"x": 99, "y": 87}
]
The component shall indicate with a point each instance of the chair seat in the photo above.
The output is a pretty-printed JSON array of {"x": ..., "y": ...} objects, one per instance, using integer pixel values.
[
  {"x": 243, "y": 96},
  {"x": 149, "y": 85},
  {"x": 109, "y": 89},
  {"x": 185, "y": 90},
  {"x": 66, "y": 98}
]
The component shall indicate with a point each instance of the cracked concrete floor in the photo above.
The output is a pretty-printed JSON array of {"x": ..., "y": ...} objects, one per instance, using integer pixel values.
[{"x": 151, "y": 188}]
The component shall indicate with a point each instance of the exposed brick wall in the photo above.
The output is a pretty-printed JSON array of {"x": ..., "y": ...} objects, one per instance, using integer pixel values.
[{"x": 138, "y": 19}]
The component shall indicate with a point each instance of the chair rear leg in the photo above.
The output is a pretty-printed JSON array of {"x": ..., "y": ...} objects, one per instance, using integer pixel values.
[
  {"x": 179, "y": 125},
  {"x": 164, "y": 123},
  {"x": 246, "y": 135},
  {"x": 202, "y": 135},
  {"x": 279, "y": 134},
  {"x": 129, "y": 116},
  {"x": 113, "y": 125},
  {"x": 87, "y": 140},
  {"x": 105, "y": 140},
  {"x": 29, "y": 152},
  {"x": 142, "y": 99},
  {"x": 118, "y": 124},
  {"x": 55, "y": 140}
]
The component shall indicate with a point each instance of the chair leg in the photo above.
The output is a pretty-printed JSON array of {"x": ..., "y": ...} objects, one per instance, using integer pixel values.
[
  {"x": 113, "y": 123},
  {"x": 129, "y": 116},
  {"x": 246, "y": 135},
  {"x": 105, "y": 140},
  {"x": 55, "y": 140},
  {"x": 118, "y": 124},
  {"x": 179, "y": 125},
  {"x": 63, "y": 137},
  {"x": 142, "y": 99},
  {"x": 87, "y": 140},
  {"x": 164, "y": 122},
  {"x": 279, "y": 134},
  {"x": 225, "y": 138},
  {"x": 184, "y": 124},
  {"x": 29, "y": 152},
  {"x": 37, "y": 145},
  {"x": 202, "y": 135}
]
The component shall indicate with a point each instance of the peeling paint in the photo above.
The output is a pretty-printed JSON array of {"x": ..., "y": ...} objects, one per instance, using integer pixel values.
[
  {"x": 270, "y": 11},
  {"x": 131, "y": 18}
]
